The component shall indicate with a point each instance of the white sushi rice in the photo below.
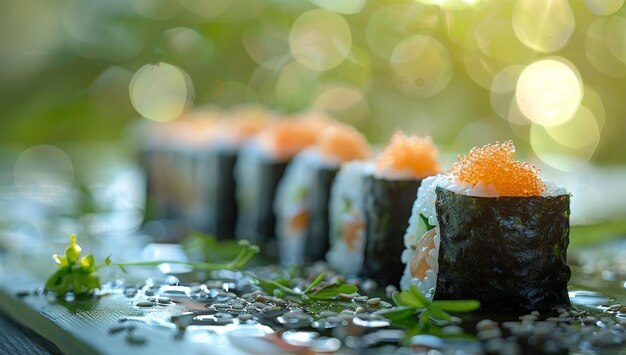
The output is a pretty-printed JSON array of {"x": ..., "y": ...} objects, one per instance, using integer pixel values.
[
  {"x": 425, "y": 205},
  {"x": 291, "y": 196},
  {"x": 248, "y": 189},
  {"x": 346, "y": 206}
]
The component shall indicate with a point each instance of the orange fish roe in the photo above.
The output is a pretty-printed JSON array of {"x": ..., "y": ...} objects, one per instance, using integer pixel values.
[
  {"x": 408, "y": 154},
  {"x": 287, "y": 137},
  {"x": 246, "y": 122},
  {"x": 343, "y": 142},
  {"x": 493, "y": 164}
]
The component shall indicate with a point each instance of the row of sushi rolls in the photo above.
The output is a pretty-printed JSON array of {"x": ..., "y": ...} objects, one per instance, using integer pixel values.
[{"x": 312, "y": 188}]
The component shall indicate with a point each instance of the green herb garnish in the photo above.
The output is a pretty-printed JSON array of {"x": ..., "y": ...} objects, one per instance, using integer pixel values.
[
  {"x": 416, "y": 313},
  {"x": 75, "y": 274},
  {"x": 425, "y": 220}
]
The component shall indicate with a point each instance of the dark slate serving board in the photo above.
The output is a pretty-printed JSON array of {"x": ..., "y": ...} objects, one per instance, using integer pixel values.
[{"x": 82, "y": 327}]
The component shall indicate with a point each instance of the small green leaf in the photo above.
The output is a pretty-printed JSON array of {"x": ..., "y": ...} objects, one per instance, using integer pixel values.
[
  {"x": 415, "y": 292},
  {"x": 425, "y": 318},
  {"x": 107, "y": 260},
  {"x": 438, "y": 313},
  {"x": 457, "y": 306},
  {"x": 406, "y": 298},
  {"x": 315, "y": 282},
  {"x": 72, "y": 253},
  {"x": 334, "y": 290},
  {"x": 88, "y": 264},
  {"x": 60, "y": 260},
  {"x": 397, "y": 313}
]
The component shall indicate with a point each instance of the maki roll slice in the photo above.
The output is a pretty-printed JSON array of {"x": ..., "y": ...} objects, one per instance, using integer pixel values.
[
  {"x": 490, "y": 230},
  {"x": 260, "y": 167},
  {"x": 302, "y": 203},
  {"x": 347, "y": 218},
  {"x": 216, "y": 209},
  {"x": 389, "y": 194}
]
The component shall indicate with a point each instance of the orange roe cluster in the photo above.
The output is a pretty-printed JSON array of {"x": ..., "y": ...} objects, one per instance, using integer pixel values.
[
  {"x": 246, "y": 122},
  {"x": 493, "y": 164},
  {"x": 287, "y": 137},
  {"x": 343, "y": 142},
  {"x": 408, "y": 154}
]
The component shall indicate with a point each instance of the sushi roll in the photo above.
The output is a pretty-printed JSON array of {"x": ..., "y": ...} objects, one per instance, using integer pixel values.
[
  {"x": 389, "y": 194},
  {"x": 302, "y": 202},
  {"x": 490, "y": 230},
  {"x": 259, "y": 169},
  {"x": 347, "y": 218},
  {"x": 215, "y": 173}
]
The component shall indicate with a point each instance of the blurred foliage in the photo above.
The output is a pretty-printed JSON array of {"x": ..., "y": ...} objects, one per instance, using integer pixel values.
[{"x": 66, "y": 66}]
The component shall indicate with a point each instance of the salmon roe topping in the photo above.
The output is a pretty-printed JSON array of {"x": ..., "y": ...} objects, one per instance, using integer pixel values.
[
  {"x": 343, "y": 142},
  {"x": 288, "y": 137},
  {"x": 493, "y": 165},
  {"x": 410, "y": 155}
]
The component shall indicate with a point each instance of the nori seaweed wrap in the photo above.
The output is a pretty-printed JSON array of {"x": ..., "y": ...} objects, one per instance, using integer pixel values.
[
  {"x": 387, "y": 210},
  {"x": 317, "y": 234},
  {"x": 221, "y": 211},
  {"x": 490, "y": 230},
  {"x": 507, "y": 252},
  {"x": 264, "y": 225}
]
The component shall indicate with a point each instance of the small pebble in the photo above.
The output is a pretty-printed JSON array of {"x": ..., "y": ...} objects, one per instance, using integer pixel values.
[
  {"x": 528, "y": 318},
  {"x": 135, "y": 339},
  {"x": 615, "y": 307},
  {"x": 22, "y": 294},
  {"x": 359, "y": 310},
  {"x": 325, "y": 314},
  {"x": 345, "y": 297},
  {"x": 144, "y": 304},
  {"x": 489, "y": 334},
  {"x": 259, "y": 305},
  {"x": 260, "y": 298},
  {"x": 373, "y": 301},
  {"x": 486, "y": 324},
  {"x": 244, "y": 316},
  {"x": 164, "y": 300},
  {"x": 361, "y": 298},
  {"x": 389, "y": 290},
  {"x": 535, "y": 313},
  {"x": 561, "y": 319},
  {"x": 279, "y": 301},
  {"x": 117, "y": 329},
  {"x": 238, "y": 306}
]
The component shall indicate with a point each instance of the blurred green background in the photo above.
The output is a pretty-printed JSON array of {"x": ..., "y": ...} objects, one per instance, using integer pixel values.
[{"x": 426, "y": 66}]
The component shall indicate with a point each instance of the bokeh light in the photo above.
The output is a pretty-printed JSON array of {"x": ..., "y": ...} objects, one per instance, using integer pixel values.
[
  {"x": 160, "y": 92},
  {"x": 549, "y": 91},
  {"x": 44, "y": 173},
  {"x": 421, "y": 66},
  {"x": 344, "y": 102},
  {"x": 206, "y": 9},
  {"x": 603, "y": 7},
  {"x": 557, "y": 155},
  {"x": 342, "y": 7},
  {"x": 598, "y": 52},
  {"x": 320, "y": 39},
  {"x": 503, "y": 90},
  {"x": 543, "y": 25},
  {"x": 580, "y": 131},
  {"x": 390, "y": 25},
  {"x": 616, "y": 37},
  {"x": 158, "y": 9}
]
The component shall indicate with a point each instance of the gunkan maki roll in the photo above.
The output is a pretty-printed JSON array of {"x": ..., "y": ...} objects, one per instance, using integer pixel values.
[
  {"x": 303, "y": 196},
  {"x": 491, "y": 230},
  {"x": 388, "y": 197},
  {"x": 260, "y": 167}
]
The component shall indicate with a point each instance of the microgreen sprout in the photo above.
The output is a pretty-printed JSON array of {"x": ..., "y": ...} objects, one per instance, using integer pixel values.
[
  {"x": 75, "y": 274},
  {"x": 417, "y": 314}
]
